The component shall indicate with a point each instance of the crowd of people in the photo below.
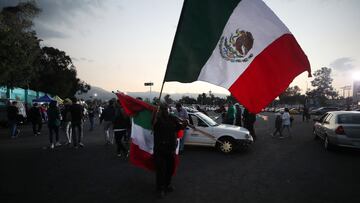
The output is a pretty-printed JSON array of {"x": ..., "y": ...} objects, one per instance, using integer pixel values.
[{"x": 68, "y": 119}]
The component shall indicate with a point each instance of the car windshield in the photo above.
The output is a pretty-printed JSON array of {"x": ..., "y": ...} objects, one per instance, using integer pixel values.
[
  {"x": 208, "y": 120},
  {"x": 349, "y": 119}
]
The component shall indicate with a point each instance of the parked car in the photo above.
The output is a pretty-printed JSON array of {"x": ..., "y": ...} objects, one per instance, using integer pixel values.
[
  {"x": 295, "y": 111},
  {"x": 231, "y": 137},
  {"x": 338, "y": 128},
  {"x": 322, "y": 110}
]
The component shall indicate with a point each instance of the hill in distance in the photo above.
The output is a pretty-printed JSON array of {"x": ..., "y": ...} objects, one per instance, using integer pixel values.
[{"x": 99, "y": 93}]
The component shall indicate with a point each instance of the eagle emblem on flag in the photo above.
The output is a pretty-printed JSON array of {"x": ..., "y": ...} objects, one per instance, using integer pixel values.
[{"x": 237, "y": 46}]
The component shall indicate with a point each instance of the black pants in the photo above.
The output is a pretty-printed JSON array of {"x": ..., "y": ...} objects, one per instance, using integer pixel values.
[
  {"x": 250, "y": 128},
  {"x": 76, "y": 132},
  {"x": 164, "y": 163},
  {"x": 119, "y": 135},
  {"x": 277, "y": 130},
  {"x": 51, "y": 130},
  {"x": 36, "y": 126}
]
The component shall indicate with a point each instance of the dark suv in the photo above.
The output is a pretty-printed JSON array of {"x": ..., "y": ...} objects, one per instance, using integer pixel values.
[{"x": 322, "y": 110}]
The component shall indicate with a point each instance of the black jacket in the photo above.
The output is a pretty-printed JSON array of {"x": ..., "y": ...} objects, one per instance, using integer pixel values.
[{"x": 165, "y": 136}]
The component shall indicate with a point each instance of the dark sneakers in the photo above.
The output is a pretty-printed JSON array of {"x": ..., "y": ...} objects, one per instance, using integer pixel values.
[{"x": 169, "y": 189}]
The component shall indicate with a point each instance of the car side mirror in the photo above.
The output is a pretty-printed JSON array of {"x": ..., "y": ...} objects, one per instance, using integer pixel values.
[{"x": 326, "y": 122}]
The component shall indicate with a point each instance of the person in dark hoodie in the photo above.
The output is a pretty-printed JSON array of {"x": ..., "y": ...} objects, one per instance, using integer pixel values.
[
  {"x": 108, "y": 116},
  {"x": 278, "y": 125},
  {"x": 166, "y": 127},
  {"x": 36, "y": 119},
  {"x": 121, "y": 125},
  {"x": 77, "y": 114},
  {"x": 53, "y": 113}
]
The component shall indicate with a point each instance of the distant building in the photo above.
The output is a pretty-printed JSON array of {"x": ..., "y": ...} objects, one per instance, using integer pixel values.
[{"x": 356, "y": 92}]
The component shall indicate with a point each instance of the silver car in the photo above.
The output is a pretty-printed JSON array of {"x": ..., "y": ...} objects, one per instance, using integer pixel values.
[
  {"x": 207, "y": 132},
  {"x": 338, "y": 128}
]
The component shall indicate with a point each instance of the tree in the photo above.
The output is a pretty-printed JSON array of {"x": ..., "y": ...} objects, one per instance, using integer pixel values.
[
  {"x": 57, "y": 75},
  {"x": 322, "y": 84},
  {"x": 187, "y": 100},
  {"x": 292, "y": 95},
  {"x": 19, "y": 45}
]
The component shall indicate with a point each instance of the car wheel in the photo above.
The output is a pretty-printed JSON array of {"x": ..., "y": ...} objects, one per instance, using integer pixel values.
[
  {"x": 227, "y": 146},
  {"x": 315, "y": 135}
]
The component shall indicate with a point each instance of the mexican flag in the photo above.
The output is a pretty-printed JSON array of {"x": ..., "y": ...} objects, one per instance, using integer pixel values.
[
  {"x": 142, "y": 137},
  {"x": 239, "y": 45}
]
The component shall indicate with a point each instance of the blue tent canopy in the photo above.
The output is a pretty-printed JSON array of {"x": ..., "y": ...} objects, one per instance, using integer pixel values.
[{"x": 45, "y": 98}]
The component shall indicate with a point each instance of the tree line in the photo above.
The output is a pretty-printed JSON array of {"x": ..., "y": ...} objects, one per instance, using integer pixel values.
[
  {"x": 25, "y": 63},
  {"x": 321, "y": 92}
]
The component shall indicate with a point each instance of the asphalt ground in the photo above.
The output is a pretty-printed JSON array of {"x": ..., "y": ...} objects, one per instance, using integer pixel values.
[{"x": 294, "y": 169}]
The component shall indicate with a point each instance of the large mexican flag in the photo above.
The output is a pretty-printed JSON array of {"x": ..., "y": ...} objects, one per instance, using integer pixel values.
[
  {"x": 239, "y": 45},
  {"x": 142, "y": 137}
]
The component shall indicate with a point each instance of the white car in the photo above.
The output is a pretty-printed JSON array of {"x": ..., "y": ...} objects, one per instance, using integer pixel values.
[{"x": 207, "y": 132}]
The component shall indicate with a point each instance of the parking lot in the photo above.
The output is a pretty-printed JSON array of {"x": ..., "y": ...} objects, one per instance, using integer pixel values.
[{"x": 272, "y": 170}]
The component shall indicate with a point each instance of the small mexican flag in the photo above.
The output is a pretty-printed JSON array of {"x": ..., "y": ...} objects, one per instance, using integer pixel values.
[
  {"x": 142, "y": 137},
  {"x": 239, "y": 45}
]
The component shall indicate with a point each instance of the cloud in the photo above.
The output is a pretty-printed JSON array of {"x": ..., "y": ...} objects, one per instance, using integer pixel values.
[
  {"x": 344, "y": 64},
  {"x": 56, "y": 14},
  {"x": 47, "y": 33}
]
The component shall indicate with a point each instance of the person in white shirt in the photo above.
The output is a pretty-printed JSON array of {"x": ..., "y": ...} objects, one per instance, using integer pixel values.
[{"x": 286, "y": 121}]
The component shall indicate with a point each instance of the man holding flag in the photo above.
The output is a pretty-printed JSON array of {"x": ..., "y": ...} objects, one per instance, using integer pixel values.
[
  {"x": 166, "y": 127},
  {"x": 154, "y": 141}
]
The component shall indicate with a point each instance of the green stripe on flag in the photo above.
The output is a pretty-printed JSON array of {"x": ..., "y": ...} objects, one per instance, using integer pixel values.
[
  {"x": 200, "y": 27},
  {"x": 143, "y": 119}
]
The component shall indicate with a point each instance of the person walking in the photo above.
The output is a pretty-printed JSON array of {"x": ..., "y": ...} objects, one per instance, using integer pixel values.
[
  {"x": 181, "y": 113},
  {"x": 278, "y": 125},
  {"x": 165, "y": 136},
  {"x": 35, "y": 119},
  {"x": 238, "y": 115},
  {"x": 231, "y": 114},
  {"x": 286, "y": 121},
  {"x": 53, "y": 114},
  {"x": 121, "y": 125},
  {"x": 108, "y": 116},
  {"x": 66, "y": 120},
  {"x": 91, "y": 115},
  {"x": 249, "y": 121},
  {"x": 12, "y": 116},
  {"x": 77, "y": 113}
]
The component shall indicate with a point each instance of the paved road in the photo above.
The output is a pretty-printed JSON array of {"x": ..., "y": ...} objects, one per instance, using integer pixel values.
[{"x": 272, "y": 170}]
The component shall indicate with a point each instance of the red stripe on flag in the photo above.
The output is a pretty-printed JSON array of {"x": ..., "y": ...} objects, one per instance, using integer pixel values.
[
  {"x": 131, "y": 105},
  {"x": 270, "y": 73},
  {"x": 141, "y": 158}
]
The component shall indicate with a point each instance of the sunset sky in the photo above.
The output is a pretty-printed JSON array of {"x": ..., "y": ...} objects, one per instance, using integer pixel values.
[{"x": 120, "y": 44}]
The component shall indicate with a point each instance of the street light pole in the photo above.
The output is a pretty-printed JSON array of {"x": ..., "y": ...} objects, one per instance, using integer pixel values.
[{"x": 149, "y": 84}]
